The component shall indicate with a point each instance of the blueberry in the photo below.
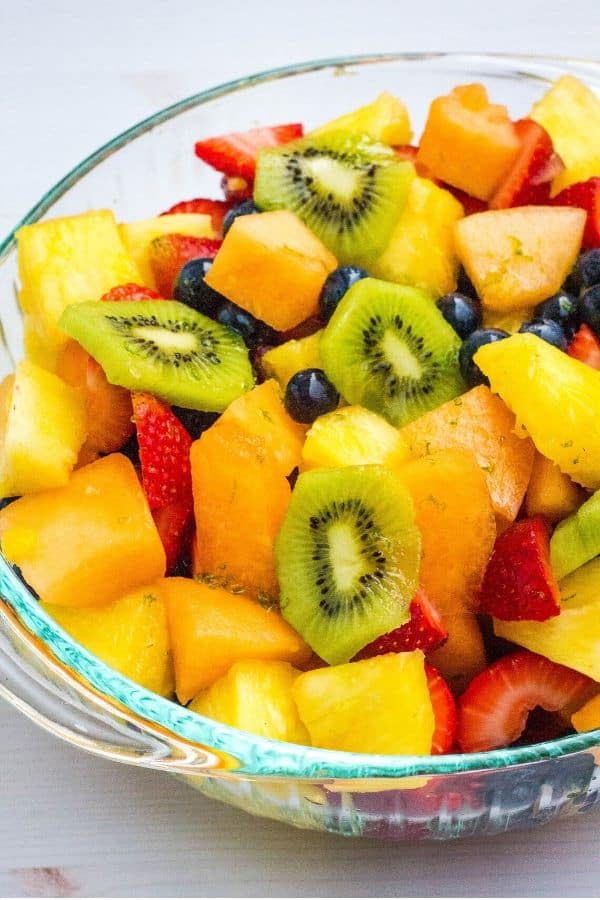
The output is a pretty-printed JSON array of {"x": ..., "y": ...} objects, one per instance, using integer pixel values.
[
  {"x": 310, "y": 394},
  {"x": 247, "y": 208},
  {"x": 190, "y": 288},
  {"x": 6, "y": 501},
  {"x": 561, "y": 308},
  {"x": 335, "y": 286},
  {"x": 194, "y": 421},
  {"x": 588, "y": 268},
  {"x": 465, "y": 285},
  {"x": 461, "y": 312},
  {"x": 588, "y": 309},
  {"x": 253, "y": 331},
  {"x": 546, "y": 329},
  {"x": 470, "y": 370}
]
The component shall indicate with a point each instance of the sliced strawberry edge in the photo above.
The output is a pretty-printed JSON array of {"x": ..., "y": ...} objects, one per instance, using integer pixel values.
[
  {"x": 170, "y": 252},
  {"x": 130, "y": 292},
  {"x": 216, "y": 209},
  {"x": 174, "y": 523},
  {"x": 584, "y": 195},
  {"x": 585, "y": 347},
  {"x": 423, "y": 631},
  {"x": 164, "y": 449},
  {"x": 445, "y": 712},
  {"x": 234, "y": 154},
  {"x": 529, "y": 178}
]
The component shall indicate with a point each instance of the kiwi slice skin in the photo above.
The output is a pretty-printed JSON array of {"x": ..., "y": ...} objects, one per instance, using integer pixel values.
[
  {"x": 164, "y": 348},
  {"x": 348, "y": 189},
  {"x": 387, "y": 347},
  {"x": 347, "y": 558},
  {"x": 576, "y": 540}
]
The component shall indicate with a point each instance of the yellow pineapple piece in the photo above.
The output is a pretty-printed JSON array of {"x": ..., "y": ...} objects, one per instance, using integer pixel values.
[
  {"x": 573, "y": 637},
  {"x": 378, "y": 705},
  {"x": 130, "y": 635},
  {"x": 284, "y": 361},
  {"x": 550, "y": 492},
  {"x": 385, "y": 119},
  {"x": 510, "y": 320},
  {"x": 570, "y": 113},
  {"x": 421, "y": 249},
  {"x": 64, "y": 261},
  {"x": 588, "y": 717},
  {"x": 137, "y": 237},
  {"x": 256, "y": 696},
  {"x": 352, "y": 436},
  {"x": 42, "y": 427}
]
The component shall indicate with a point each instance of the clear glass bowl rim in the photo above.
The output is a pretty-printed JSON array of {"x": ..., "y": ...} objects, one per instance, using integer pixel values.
[{"x": 268, "y": 757}]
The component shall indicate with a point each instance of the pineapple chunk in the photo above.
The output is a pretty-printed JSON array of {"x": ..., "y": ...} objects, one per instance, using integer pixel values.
[
  {"x": 284, "y": 361},
  {"x": 137, "y": 237},
  {"x": 352, "y": 436},
  {"x": 378, "y": 705},
  {"x": 570, "y": 113},
  {"x": 256, "y": 696},
  {"x": 65, "y": 261},
  {"x": 519, "y": 257},
  {"x": 421, "y": 249},
  {"x": 509, "y": 321},
  {"x": 130, "y": 635},
  {"x": 385, "y": 119},
  {"x": 588, "y": 717},
  {"x": 573, "y": 638},
  {"x": 42, "y": 426}
]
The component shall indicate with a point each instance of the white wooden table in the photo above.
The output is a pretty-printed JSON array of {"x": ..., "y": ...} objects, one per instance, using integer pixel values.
[{"x": 73, "y": 74}]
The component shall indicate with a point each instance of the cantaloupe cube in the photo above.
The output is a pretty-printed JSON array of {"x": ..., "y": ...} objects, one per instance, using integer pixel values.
[
  {"x": 137, "y": 237},
  {"x": 385, "y": 119},
  {"x": 42, "y": 427},
  {"x": 273, "y": 266},
  {"x": 551, "y": 493}
]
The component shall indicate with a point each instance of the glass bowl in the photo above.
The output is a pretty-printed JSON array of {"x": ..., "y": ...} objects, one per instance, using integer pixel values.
[{"x": 71, "y": 693}]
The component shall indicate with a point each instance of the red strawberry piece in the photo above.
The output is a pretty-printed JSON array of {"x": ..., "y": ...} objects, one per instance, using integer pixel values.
[
  {"x": 493, "y": 710},
  {"x": 444, "y": 711},
  {"x": 216, "y": 209},
  {"x": 530, "y": 177},
  {"x": 236, "y": 189},
  {"x": 423, "y": 631},
  {"x": 585, "y": 195},
  {"x": 170, "y": 252},
  {"x": 174, "y": 523},
  {"x": 130, "y": 292},
  {"x": 164, "y": 452},
  {"x": 585, "y": 347},
  {"x": 304, "y": 329},
  {"x": 235, "y": 153},
  {"x": 519, "y": 583}
]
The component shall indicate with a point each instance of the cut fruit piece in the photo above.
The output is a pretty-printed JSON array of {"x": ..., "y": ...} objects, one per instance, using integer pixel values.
[
  {"x": 138, "y": 237},
  {"x": 175, "y": 525},
  {"x": 216, "y": 209},
  {"x": 212, "y": 629},
  {"x": 42, "y": 427},
  {"x": 421, "y": 251},
  {"x": 164, "y": 348},
  {"x": 348, "y": 189},
  {"x": 129, "y": 635},
  {"x": 550, "y": 493},
  {"x": 379, "y": 705},
  {"x": 235, "y": 154},
  {"x": 556, "y": 400},
  {"x": 347, "y": 558},
  {"x": 586, "y": 196},
  {"x": 284, "y": 361},
  {"x": 271, "y": 265},
  {"x": 170, "y": 252},
  {"x": 92, "y": 540},
  {"x": 480, "y": 422},
  {"x": 445, "y": 712},
  {"x": 573, "y": 637},
  {"x": 570, "y": 113},
  {"x": 510, "y": 320},
  {"x": 387, "y": 347},
  {"x": 255, "y": 696},
  {"x": 385, "y": 119},
  {"x": 463, "y": 655},
  {"x": 585, "y": 347},
  {"x": 65, "y": 261},
  {"x": 352, "y": 436},
  {"x": 530, "y": 176},
  {"x": 164, "y": 450},
  {"x": 588, "y": 717},
  {"x": 130, "y": 291},
  {"x": 519, "y": 257},
  {"x": 468, "y": 141},
  {"x": 424, "y": 631},
  {"x": 576, "y": 540}
]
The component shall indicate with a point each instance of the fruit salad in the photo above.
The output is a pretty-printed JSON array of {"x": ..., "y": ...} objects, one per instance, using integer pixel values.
[{"x": 321, "y": 457}]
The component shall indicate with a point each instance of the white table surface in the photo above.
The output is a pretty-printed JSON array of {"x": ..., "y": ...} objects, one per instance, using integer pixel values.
[{"x": 74, "y": 74}]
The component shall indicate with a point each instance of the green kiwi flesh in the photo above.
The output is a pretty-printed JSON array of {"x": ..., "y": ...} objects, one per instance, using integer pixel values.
[
  {"x": 347, "y": 188},
  {"x": 165, "y": 348},
  {"x": 388, "y": 347},
  {"x": 576, "y": 540},
  {"x": 347, "y": 558}
]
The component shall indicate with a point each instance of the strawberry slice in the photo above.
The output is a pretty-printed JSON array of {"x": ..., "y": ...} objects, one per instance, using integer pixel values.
[
  {"x": 164, "y": 452},
  {"x": 585, "y": 195},
  {"x": 235, "y": 153},
  {"x": 519, "y": 583},
  {"x": 444, "y": 711},
  {"x": 174, "y": 523},
  {"x": 423, "y": 631},
  {"x": 170, "y": 252},
  {"x": 585, "y": 347},
  {"x": 493, "y": 710},
  {"x": 530, "y": 177},
  {"x": 216, "y": 209},
  {"x": 130, "y": 292},
  {"x": 236, "y": 189}
]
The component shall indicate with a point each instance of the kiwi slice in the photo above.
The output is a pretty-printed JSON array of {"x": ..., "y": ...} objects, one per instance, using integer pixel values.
[
  {"x": 347, "y": 188},
  {"x": 388, "y": 347},
  {"x": 347, "y": 558},
  {"x": 165, "y": 348},
  {"x": 576, "y": 540}
]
